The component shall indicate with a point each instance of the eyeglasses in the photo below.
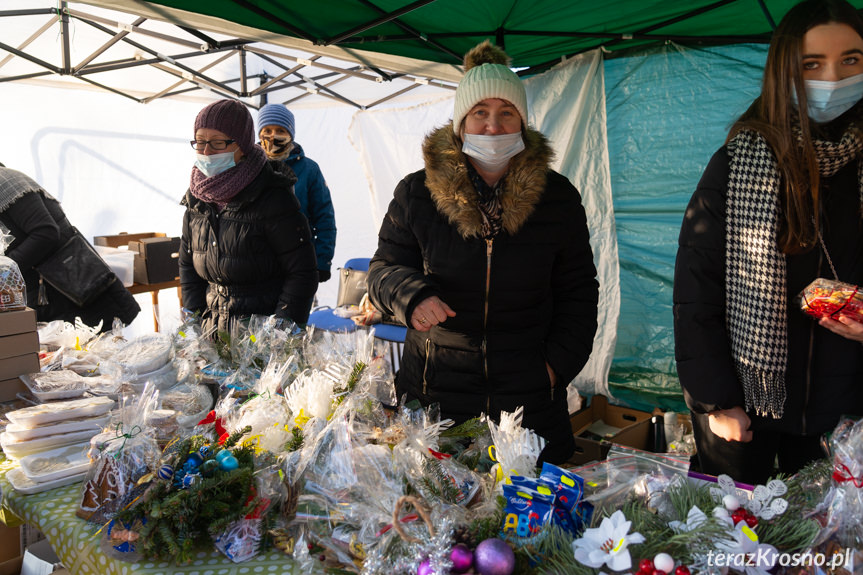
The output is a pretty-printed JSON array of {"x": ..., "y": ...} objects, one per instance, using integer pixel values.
[{"x": 214, "y": 144}]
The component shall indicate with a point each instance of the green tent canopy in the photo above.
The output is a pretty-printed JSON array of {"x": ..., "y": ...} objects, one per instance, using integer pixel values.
[{"x": 535, "y": 33}]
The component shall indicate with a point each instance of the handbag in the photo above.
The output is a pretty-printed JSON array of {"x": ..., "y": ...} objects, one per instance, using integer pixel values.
[
  {"x": 352, "y": 286},
  {"x": 77, "y": 271}
]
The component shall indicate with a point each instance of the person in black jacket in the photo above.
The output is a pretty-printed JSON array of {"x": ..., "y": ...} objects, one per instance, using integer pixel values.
[
  {"x": 39, "y": 227},
  {"x": 246, "y": 248},
  {"x": 485, "y": 256},
  {"x": 776, "y": 208}
]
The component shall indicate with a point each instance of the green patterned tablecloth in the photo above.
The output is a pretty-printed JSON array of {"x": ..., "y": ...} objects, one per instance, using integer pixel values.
[{"x": 77, "y": 544}]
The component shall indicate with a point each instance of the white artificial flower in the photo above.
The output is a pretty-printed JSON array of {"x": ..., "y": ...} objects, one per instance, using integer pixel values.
[
  {"x": 745, "y": 546},
  {"x": 694, "y": 518},
  {"x": 607, "y": 544}
]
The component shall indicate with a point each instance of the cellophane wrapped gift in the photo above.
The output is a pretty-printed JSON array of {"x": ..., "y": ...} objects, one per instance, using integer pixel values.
[
  {"x": 830, "y": 298},
  {"x": 13, "y": 292},
  {"x": 119, "y": 458}
]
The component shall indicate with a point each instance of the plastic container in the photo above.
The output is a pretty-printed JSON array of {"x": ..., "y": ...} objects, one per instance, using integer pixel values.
[
  {"x": 56, "y": 463},
  {"x": 37, "y": 415},
  {"x": 145, "y": 354},
  {"x": 23, "y": 484},
  {"x": 21, "y": 449},
  {"x": 19, "y": 433},
  {"x": 121, "y": 262},
  {"x": 163, "y": 378},
  {"x": 54, "y": 385}
]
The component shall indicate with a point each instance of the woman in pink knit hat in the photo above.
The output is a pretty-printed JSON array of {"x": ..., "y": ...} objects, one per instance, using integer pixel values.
[{"x": 246, "y": 248}]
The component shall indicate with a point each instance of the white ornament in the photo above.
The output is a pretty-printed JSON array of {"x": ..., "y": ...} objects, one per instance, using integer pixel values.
[
  {"x": 721, "y": 513},
  {"x": 664, "y": 562},
  {"x": 777, "y": 488},
  {"x": 730, "y": 502}
]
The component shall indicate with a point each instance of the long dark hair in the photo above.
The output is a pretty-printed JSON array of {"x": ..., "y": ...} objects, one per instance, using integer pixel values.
[{"x": 773, "y": 114}]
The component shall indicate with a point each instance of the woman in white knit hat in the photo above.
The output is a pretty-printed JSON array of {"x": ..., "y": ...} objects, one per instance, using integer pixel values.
[{"x": 484, "y": 255}]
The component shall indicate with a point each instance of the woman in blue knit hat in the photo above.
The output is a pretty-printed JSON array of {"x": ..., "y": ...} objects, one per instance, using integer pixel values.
[
  {"x": 276, "y": 132},
  {"x": 246, "y": 248},
  {"x": 485, "y": 256}
]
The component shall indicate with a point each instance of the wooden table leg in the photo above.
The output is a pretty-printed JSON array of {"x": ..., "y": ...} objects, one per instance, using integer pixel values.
[{"x": 155, "y": 294}]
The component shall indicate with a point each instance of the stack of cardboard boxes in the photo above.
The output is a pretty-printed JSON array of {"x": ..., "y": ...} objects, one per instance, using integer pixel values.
[
  {"x": 19, "y": 350},
  {"x": 155, "y": 255}
]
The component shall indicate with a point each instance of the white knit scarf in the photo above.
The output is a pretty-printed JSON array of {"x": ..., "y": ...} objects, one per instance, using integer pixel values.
[{"x": 755, "y": 276}]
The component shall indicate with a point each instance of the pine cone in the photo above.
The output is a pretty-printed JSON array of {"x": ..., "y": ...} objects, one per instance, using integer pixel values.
[{"x": 462, "y": 534}]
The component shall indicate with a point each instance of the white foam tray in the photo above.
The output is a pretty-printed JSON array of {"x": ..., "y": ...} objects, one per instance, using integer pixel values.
[
  {"x": 23, "y": 484},
  {"x": 56, "y": 463},
  {"x": 19, "y": 450},
  {"x": 60, "y": 411},
  {"x": 67, "y": 393},
  {"x": 17, "y": 433}
]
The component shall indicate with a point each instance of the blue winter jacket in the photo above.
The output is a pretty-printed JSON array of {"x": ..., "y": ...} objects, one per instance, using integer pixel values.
[{"x": 315, "y": 203}]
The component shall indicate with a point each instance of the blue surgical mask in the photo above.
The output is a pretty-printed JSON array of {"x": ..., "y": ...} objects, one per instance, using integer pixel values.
[
  {"x": 215, "y": 164},
  {"x": 829, "y": 100},
  {"x": 492, "y": 153}
]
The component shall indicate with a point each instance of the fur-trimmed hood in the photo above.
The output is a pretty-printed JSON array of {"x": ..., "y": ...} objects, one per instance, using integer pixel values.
[{"x": 456, "y": 198}]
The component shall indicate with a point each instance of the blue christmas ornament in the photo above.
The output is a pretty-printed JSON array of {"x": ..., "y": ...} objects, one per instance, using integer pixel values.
[
  {"x": 223, "y": 454},
  {"x": 205, "y": 451},
  {"x": 196, "y": 458},
  {"x": 229, "y": 463},
  {"x": 165, "y": 472},
  {"x": 190, "y": 479}
]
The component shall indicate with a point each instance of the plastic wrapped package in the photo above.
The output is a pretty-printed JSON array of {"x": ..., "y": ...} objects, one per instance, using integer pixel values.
[
  {"x": 829, "y": 298},
  {"x": 436, "y": 476},
  {"x": 846, "y": 499},
  {"x": 60, "y": 333},
  {"x": 49, "y": 413},
  {"x": 240, "y": 541},
  {"x": 626, "y": 472},
  {"x": 516, "y": 448},
  {"x": 13, "y": 292},
  {"x": 191, "y": 402},
  {"x": 145, "y": 354},
  {"x": 120, "y": 461}
]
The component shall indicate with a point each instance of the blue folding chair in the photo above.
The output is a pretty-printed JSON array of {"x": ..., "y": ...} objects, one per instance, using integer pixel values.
[{"x": 324, "y": 318}]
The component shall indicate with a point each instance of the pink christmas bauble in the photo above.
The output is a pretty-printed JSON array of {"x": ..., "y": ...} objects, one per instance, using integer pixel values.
[
  {"x": 461, "y": 557},
  {"x": 425, "y": 568},
  {"x": 494, "y": 557}
]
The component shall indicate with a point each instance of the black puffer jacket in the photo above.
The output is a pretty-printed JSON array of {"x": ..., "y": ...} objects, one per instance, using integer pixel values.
[
  {"x": 824, "y": 372},
  {"x": 528, "y": 297},
  {"x": 253, "y": 257},
  {"x": 40, "y": 227}
]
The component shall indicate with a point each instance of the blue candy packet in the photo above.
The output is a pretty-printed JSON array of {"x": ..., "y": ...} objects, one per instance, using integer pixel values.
[
  {"x": 569, "y": 491},
  {"x": 527, "y": 510}
]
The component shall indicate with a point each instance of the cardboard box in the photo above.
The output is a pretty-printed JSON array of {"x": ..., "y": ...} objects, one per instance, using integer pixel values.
[
  {"x": 19, "y": 321},
  {"x": 40, "y": 559},
  {"x": 11, "y": 368},
  {"x": 122, "y": 239},
  {"x": 12, "y": 566},
  {"x": 156, "y": 259},
  {"x": 19, "y": 344},
  {"x": 600, "y": 424},
  {"x": 10, "y": 543}
]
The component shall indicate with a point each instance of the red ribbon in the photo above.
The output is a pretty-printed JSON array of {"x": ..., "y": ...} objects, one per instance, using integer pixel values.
[
  {"x": 841, "y": 474},
  {"x": 220, "y": 430},
  {"x": 438, "y": 454}
]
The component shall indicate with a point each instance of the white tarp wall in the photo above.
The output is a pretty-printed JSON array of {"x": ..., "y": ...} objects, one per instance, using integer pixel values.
[{"x": 121, "y": 166}]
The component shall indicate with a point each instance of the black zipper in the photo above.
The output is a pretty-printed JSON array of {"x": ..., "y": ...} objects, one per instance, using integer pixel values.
[
  {"x": 484, "y": 346},
  {"x": 426, "y": 366}
]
